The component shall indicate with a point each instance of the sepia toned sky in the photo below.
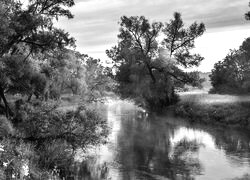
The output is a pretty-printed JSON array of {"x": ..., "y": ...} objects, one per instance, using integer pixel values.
[{"x": 95, "y": 25}]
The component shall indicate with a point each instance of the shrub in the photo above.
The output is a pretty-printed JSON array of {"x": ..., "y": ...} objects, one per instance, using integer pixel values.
[{"x": 47, "y": 139}]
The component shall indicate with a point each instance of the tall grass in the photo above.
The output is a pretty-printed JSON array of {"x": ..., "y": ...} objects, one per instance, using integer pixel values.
[{"x": 215, "y": 109}]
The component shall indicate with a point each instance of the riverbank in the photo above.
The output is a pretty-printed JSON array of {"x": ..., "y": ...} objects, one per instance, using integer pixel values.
[{"x": 226, "y": 110}]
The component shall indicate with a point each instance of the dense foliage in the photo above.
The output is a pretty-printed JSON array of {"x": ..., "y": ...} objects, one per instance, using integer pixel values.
[
  {"x": 147, "y": 69},
  {"x": 29, "y": 30},
  {"x": 232, "y": 75},
  {"x": 43, "y": 142},
  {"x": 38, "y": 137}
]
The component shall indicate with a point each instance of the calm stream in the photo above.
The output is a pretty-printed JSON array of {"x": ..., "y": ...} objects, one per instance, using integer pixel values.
[{"x": 157, "y": 148}]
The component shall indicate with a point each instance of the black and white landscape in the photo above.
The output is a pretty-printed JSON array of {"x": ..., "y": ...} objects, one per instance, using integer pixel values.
[{"x": 124, "y": 90}]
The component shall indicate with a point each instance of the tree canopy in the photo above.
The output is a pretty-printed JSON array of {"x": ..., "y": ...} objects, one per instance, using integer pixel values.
[
  {"x": 232, "y": 74},
  {"x": 148, "y": 69},
  {"x": 30, "y": 29}
]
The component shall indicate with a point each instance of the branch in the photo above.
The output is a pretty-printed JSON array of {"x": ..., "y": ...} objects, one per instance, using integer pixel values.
[
  {"x": 173, "y": 40},
  {"x": 149, "y": 43},
  {"x": 24, "y": 60},
  {"x": 150, "y": 72},
  {"x": 171, "y": 74},
  {"x": 182, "y": 44},
  {"x": 34, "y": 43},
  {"x": 176, "y": 77},
  {"x": 44, "y": 7},
  {"x": 137, "y": 40}
]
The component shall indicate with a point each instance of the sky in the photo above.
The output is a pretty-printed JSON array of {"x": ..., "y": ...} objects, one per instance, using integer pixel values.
[{"x": 95, "y": 24}]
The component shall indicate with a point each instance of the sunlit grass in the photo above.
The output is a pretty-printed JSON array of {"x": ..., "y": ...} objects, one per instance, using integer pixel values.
[
  {"x": 205, "y": 98},
  {"x": 200, "y": 106}
]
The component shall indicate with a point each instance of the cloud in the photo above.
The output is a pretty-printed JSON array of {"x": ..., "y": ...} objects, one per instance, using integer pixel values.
[{"x": 95, "y": 25}]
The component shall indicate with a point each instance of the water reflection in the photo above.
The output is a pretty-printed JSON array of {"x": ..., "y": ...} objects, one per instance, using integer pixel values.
[{"x": 147, "y": 147}]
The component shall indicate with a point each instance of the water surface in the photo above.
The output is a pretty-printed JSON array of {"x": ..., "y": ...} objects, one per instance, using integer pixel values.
[{"x": 149, "y": 147}]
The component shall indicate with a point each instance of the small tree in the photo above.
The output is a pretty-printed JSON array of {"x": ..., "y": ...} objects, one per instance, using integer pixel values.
[{"x": 97, "y": 81}]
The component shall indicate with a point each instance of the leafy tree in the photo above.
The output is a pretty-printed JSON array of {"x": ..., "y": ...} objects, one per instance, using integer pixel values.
[
  {"x": 71, "y": 71},
  {"x": 64, "y": 70},
  {"x": 34, "y": 60},
  {"x": 52, "y": 136},
  {"x": 30, "y": 30},
  {"x": 97, "y": 80},
  {"x": 20, "y": 77},
  {"x": 147, "y": 71},
  {"x": 232, "y": 75}
]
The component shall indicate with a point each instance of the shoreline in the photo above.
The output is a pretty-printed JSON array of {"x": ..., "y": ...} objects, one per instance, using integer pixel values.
[{"x": 214, "y": 110}]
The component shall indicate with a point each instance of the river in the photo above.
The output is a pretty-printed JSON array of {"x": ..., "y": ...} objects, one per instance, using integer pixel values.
[{"x": 149, "y": 147}]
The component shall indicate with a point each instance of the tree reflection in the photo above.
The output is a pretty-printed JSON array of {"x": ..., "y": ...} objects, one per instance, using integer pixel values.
[
  {"x": 91, "y": 170},
  {"x": 146, "y": 150},
  {"x": 235, "y": 142},
  {"x": 149, "y": 147}
]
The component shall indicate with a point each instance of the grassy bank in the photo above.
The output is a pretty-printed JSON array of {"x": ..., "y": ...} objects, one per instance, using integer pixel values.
[{"x": 215, "y": 109}]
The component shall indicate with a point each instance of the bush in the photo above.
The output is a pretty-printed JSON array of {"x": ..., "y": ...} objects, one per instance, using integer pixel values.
[{"x": 46, "y": 139}]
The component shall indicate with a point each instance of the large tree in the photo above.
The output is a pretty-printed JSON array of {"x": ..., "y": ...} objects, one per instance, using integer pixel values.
[
  {"x": 148, "y": 70},
  {"x": 29, "y": 29}
]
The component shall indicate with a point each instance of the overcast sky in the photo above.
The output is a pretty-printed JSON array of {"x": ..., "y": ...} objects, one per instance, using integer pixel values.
[{"x": 95, "y": 25}]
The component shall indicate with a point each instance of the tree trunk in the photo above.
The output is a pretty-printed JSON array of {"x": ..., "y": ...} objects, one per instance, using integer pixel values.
[
  {"x": 8, "y": 111},
  {"x": 29, "y": 97},
  {"x": 151, "y": 73}
]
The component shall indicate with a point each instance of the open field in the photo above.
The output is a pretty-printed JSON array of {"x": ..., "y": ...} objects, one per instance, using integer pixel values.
[
  {"x": 229, "y": 110},
  {"x": 202, "y": 97}
]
